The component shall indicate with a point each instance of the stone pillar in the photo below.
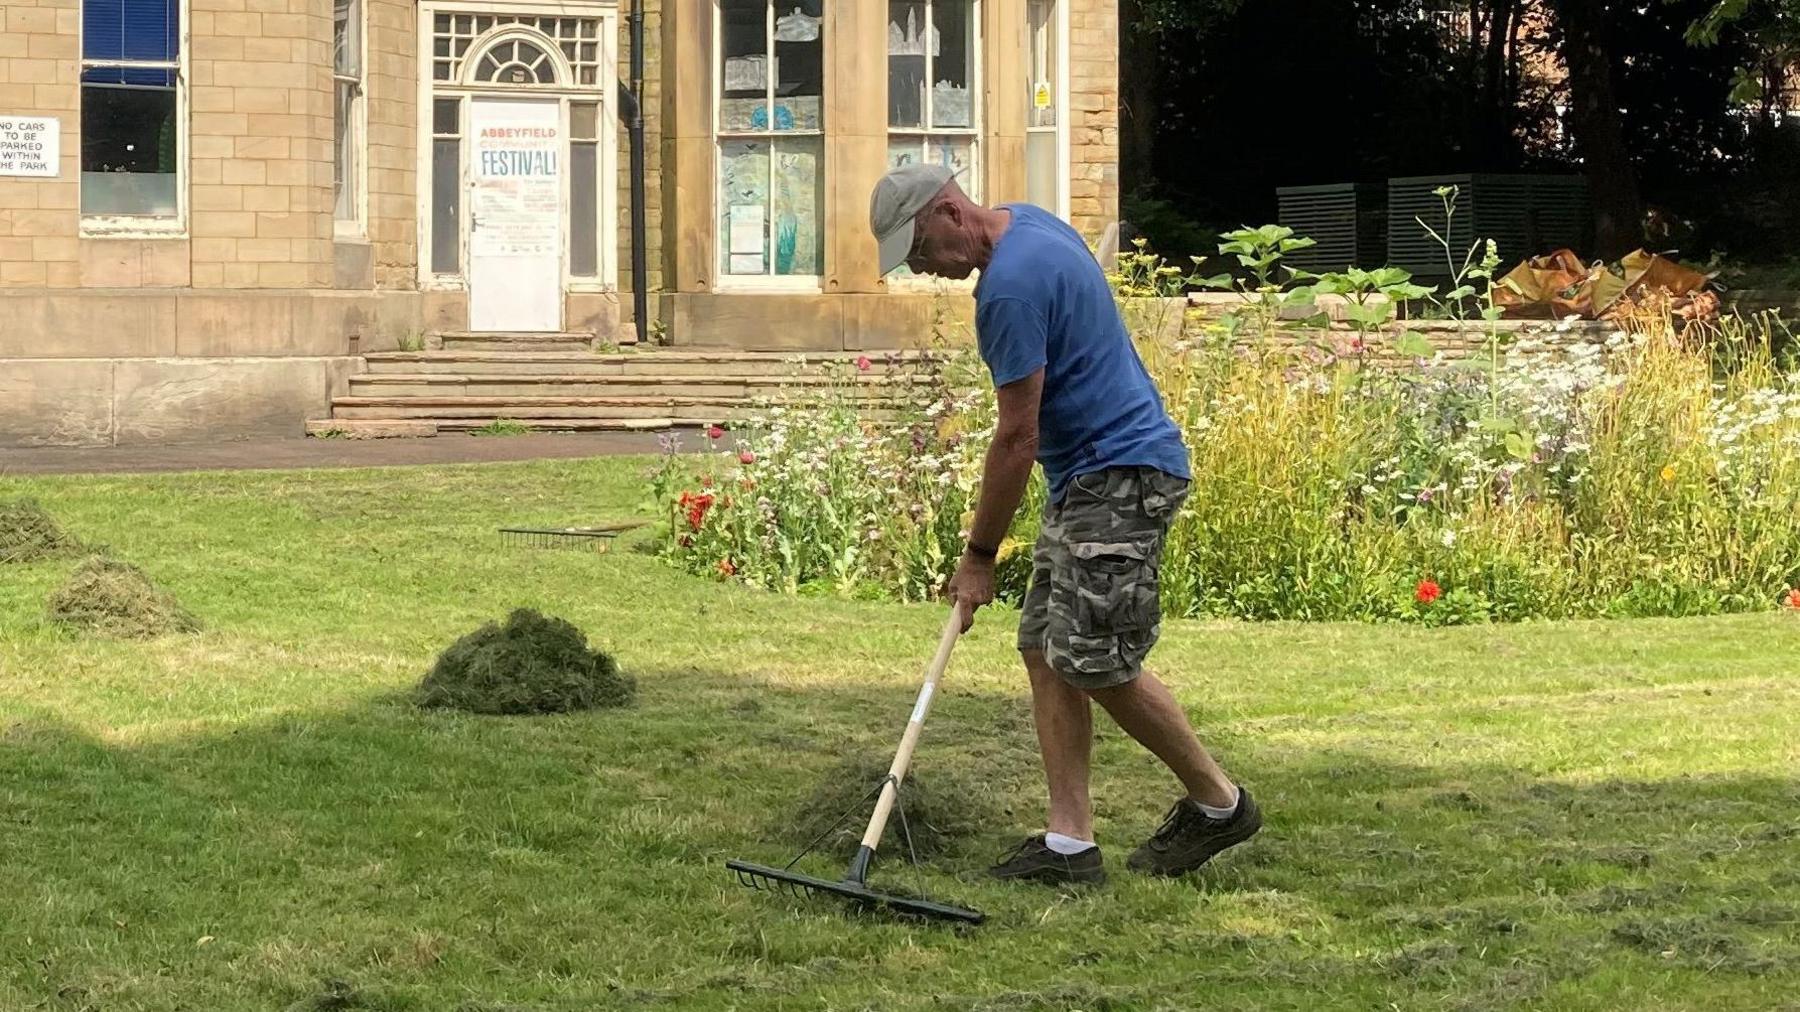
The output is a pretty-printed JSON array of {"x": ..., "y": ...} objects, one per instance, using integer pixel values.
[
  {"x": 653, "y": 153},
  {"x": 260, "y": 158},
  {"x": 1004, "y": 34},
  {"x": 393, "y": 100},
  {"x": 1093, "y": 115},
  {"x": 856, "y": 141},
  {"x": 689, "y": 228}
]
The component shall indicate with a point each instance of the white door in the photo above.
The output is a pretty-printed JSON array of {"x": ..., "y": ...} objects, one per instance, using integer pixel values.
[{"x": 516, "y": 153}]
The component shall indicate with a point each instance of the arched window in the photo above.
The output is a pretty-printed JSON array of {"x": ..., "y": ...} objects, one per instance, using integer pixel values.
[{"x": 516, "y": 61}]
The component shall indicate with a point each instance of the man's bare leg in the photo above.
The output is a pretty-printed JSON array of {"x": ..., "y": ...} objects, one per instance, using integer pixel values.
[
  {"x": 1146, "y": 709},
  {"x": 1065, "y": 731}
]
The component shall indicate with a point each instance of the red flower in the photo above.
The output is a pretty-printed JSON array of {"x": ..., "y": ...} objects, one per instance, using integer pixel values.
[
  {"x": 715, "y": 433},
  {"x": 726, "y": 568},
  {"x": 696, "y": 507},
  {"x": 1428, "y": 592},
  {"x": 746, "y": 457},
  {"x": 863, "y": 364},
  {"x": 1792, "y": 599}
]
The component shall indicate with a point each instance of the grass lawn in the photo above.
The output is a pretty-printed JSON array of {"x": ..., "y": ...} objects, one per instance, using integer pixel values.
[{"x": 1543, "y": 816}]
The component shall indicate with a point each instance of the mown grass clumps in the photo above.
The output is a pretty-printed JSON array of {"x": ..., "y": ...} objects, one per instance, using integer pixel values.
[
  {"x": 946, "y": 809},
  {"x": 533, "y": 663},
  {"x": 29, "y": 534},
  {"x": 107, "y": 597}
]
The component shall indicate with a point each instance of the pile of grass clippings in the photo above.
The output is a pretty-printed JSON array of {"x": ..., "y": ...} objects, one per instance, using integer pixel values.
[
  {"x": 946, "y": 808},
  {"x": 29, "y": 534},
  {"x": 107, "y": 597},
  {"x": 532, "y": 664}
]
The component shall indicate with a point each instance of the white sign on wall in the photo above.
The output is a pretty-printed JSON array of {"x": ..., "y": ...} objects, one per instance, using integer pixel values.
[{"x": 30, "y": 145}]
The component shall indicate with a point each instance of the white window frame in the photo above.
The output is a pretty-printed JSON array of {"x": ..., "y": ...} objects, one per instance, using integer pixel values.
[
  {"x": 126, "y": 226},
  {"x": 800, "y": 284},
  {"x": 604, "y": 91},
  {"x": 926, "y": 132},
  {"x": 1064, "y": 154},
  {"x": 356, "y": 228}
]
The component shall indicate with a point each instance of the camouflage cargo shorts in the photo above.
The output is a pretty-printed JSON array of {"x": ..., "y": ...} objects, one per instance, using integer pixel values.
[{"x": 1094, "y": 606}]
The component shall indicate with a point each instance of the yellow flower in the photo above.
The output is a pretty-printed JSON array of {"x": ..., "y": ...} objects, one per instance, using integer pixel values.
[{"x": 1668, "y": 473}]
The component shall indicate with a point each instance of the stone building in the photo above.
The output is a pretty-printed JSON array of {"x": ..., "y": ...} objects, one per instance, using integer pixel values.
[{"x": 212, "y": 212}]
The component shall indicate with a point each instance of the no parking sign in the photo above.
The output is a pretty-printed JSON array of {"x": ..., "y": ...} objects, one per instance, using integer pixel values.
[{"x": 29, "y": 145}]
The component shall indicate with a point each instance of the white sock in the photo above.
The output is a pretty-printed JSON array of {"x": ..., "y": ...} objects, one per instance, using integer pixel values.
[
  {"x": 1210, "y": 812},
  {"x": 1067, "y": 846}
]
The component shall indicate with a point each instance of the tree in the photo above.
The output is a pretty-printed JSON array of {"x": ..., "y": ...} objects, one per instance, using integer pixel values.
[{"x": 1597, "y": 127}]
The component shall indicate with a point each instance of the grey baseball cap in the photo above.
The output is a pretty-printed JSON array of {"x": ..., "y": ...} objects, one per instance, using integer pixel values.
[{"x": 898, "y": 199}]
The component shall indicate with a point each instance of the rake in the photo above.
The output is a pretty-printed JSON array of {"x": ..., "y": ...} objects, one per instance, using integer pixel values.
[
  {"x": 597, "y": 539},
  {"x": 854, "y": 886}
]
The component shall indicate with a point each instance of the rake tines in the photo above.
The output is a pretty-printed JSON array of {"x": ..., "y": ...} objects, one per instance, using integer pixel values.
[{"x": 594, "y": 539}]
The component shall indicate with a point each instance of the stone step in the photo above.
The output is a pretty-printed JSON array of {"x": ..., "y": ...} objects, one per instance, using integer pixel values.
[
  {"x": 370, "y": 428},
  {"x": 580, "y": 384},
  {"x": 660, "y": 363},
  {"x": 573, "y": 341},
  {"x": 648, "y": 423},
  {"x": 489, "y": 408}
]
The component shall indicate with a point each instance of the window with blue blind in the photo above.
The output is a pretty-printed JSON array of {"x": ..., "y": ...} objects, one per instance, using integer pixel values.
[
  {"x": 130, "y": 73},
  {"x": 146, "y": 30}
]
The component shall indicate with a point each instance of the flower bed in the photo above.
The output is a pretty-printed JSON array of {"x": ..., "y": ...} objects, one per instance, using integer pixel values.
[{"x": 1645, "y": 471}]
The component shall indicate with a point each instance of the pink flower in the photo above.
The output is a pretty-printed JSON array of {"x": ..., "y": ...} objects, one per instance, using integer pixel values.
[
  {"x": 715, "y": 433},
  {"x": 863, "y": 363},
  {"x": 1792, "y": 600},
  {"x": 746, "y": 457}
]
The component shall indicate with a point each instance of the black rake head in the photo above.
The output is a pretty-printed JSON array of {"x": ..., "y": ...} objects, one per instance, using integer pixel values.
[{"x": 782, "y": 880}]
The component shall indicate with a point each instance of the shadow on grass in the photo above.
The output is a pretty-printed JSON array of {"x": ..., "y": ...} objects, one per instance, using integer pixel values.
[{"x": 427, "y": 855}]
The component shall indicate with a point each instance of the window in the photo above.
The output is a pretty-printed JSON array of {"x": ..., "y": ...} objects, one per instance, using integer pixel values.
[
  {"x": 1043, "y": 97},
  {"x": 584, "y": 189},
  {"x": 446, "y": 186},
  {"x": 452, "y": 36},
  {"x": 515, "y": 61},
  {"x": 771, "y": 152},
  {"x": 933, "y": 105},
  {"x": 130, "y": 112},
  {"x": 348, "y": 112}
]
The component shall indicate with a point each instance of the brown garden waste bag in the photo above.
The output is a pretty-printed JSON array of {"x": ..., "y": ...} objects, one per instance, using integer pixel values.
[{"x": 1559, "y": 286}]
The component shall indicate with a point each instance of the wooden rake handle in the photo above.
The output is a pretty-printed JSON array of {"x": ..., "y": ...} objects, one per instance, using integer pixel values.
[{"x": 890, "y": 791}]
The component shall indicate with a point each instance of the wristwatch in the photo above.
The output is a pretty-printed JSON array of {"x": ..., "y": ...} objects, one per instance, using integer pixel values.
[{"x": 983, "y": 551}]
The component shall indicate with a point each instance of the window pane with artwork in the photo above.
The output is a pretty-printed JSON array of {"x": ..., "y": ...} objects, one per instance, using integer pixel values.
[
  {"x": 934, "y": 114},
  {"x": 771, "y": 155}
]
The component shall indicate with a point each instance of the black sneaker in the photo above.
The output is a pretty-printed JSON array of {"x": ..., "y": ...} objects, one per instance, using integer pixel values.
[
  {"x": 1034, "y": 861},
  {"x": 1189, "y": 837}
]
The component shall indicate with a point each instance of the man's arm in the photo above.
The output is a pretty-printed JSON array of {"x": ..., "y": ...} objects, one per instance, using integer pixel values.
[{"x": 1010, "y": 458}]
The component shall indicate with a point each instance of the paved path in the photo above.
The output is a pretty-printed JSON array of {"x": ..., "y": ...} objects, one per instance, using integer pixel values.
[{"x": 291, "y": 454}]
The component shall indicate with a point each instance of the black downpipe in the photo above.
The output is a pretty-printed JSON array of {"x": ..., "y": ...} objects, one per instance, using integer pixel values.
[{"x": 631, "y": 99}]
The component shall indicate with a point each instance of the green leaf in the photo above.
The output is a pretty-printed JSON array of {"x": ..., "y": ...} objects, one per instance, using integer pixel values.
[
  {"x": 1290, "y": 245},
  {"x": 1406, "y": 292},
  {"x": 1519, "y": 446},
  {"x": 1497, "y": 424},
  {"x": 1458, "y": 294},
  {"x": 1217, "y": 281},
  {"x": 1413, "y": 344}
]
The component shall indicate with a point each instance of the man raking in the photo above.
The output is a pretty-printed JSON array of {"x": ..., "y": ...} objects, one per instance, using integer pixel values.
[{"x": 1073, "y": 396}]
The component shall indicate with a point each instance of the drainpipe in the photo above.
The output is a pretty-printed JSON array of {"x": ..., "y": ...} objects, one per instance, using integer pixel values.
[{"x": 631, "y": 101}]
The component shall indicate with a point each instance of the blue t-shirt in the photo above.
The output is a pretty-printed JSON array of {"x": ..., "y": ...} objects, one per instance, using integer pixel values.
[{"x": 1043, "y": 303}]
